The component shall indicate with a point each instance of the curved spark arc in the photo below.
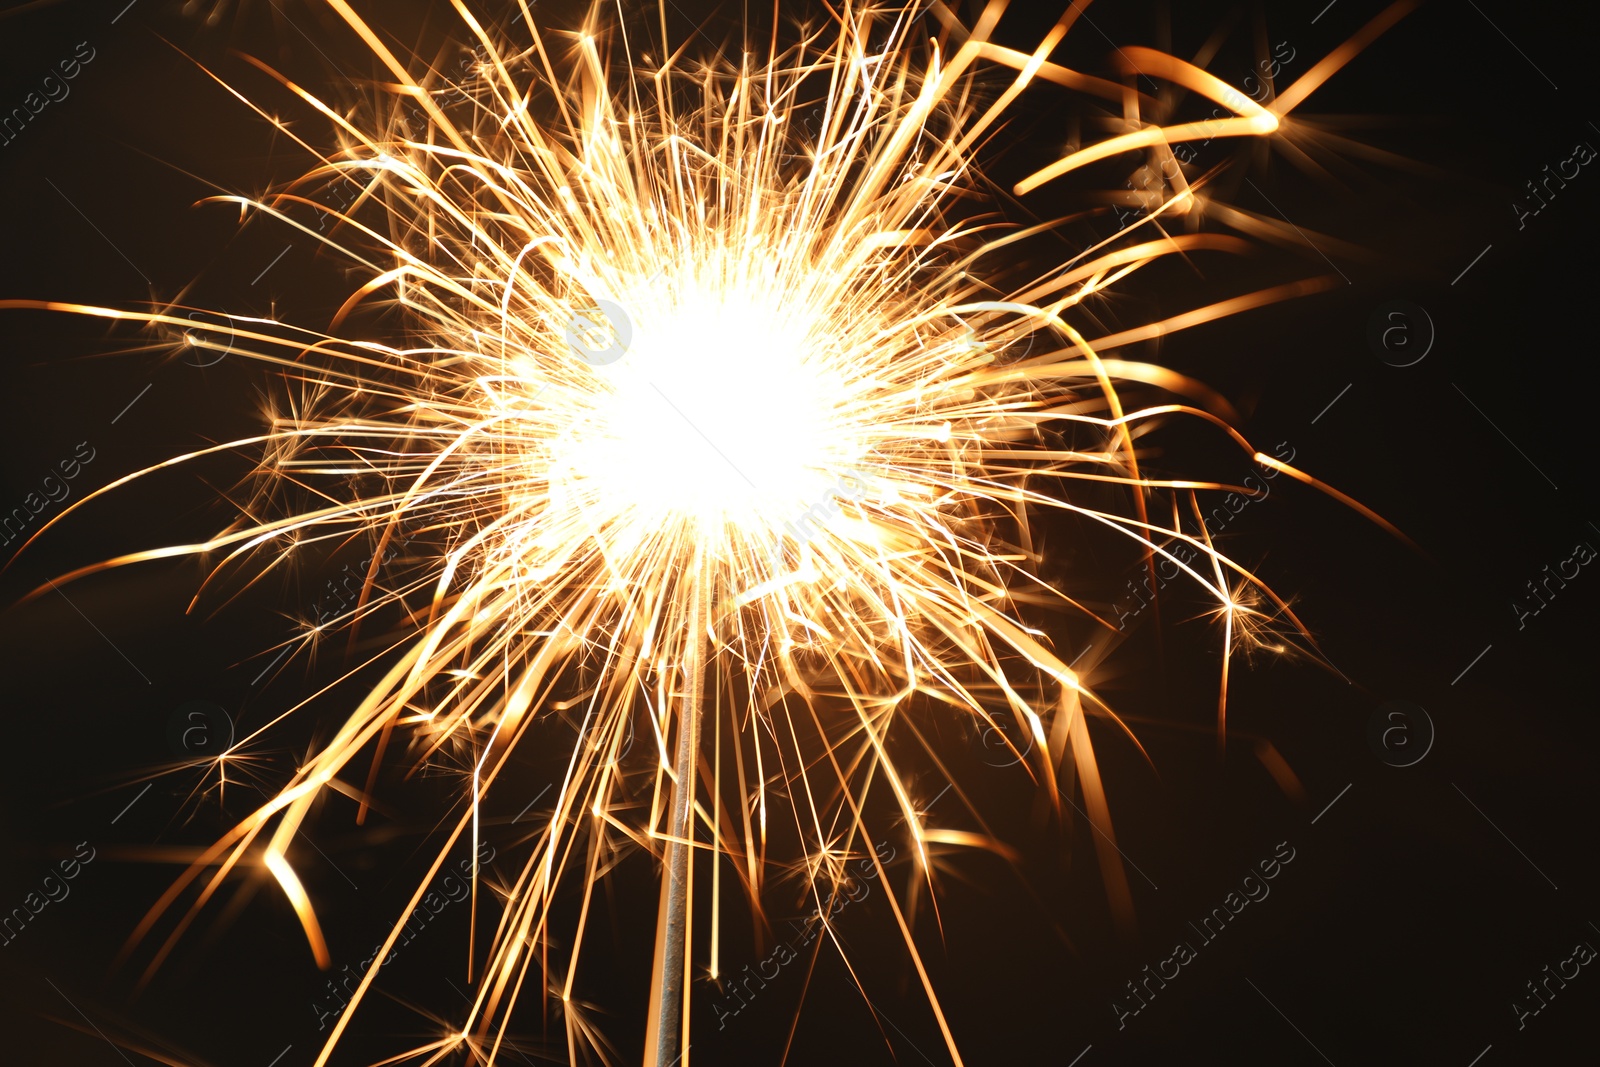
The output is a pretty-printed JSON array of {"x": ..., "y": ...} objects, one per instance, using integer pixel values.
[{"x": 605, "y": 521}]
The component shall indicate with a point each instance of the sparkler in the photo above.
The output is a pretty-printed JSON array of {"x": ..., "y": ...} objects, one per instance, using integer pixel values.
[{"x": 722, "y": 418}]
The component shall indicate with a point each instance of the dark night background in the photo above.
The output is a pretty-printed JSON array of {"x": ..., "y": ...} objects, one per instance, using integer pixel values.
[{"x": 1417, "y": 905}]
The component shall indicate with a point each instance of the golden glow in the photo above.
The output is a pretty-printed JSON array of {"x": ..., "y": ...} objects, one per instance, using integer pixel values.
[
  {"x": 795, "y": 438},
  {"x": 671, "y": 434}
]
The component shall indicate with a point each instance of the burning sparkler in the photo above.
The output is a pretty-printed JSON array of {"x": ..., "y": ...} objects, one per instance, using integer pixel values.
[{"x": 722, "y": 418}]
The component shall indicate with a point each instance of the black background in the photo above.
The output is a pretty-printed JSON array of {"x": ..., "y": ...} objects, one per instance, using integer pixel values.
[{"x": 1417, "y": 906}]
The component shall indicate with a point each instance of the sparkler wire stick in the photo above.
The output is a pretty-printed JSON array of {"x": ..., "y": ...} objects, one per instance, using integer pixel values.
[{"x": 668, "y": 1037}]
